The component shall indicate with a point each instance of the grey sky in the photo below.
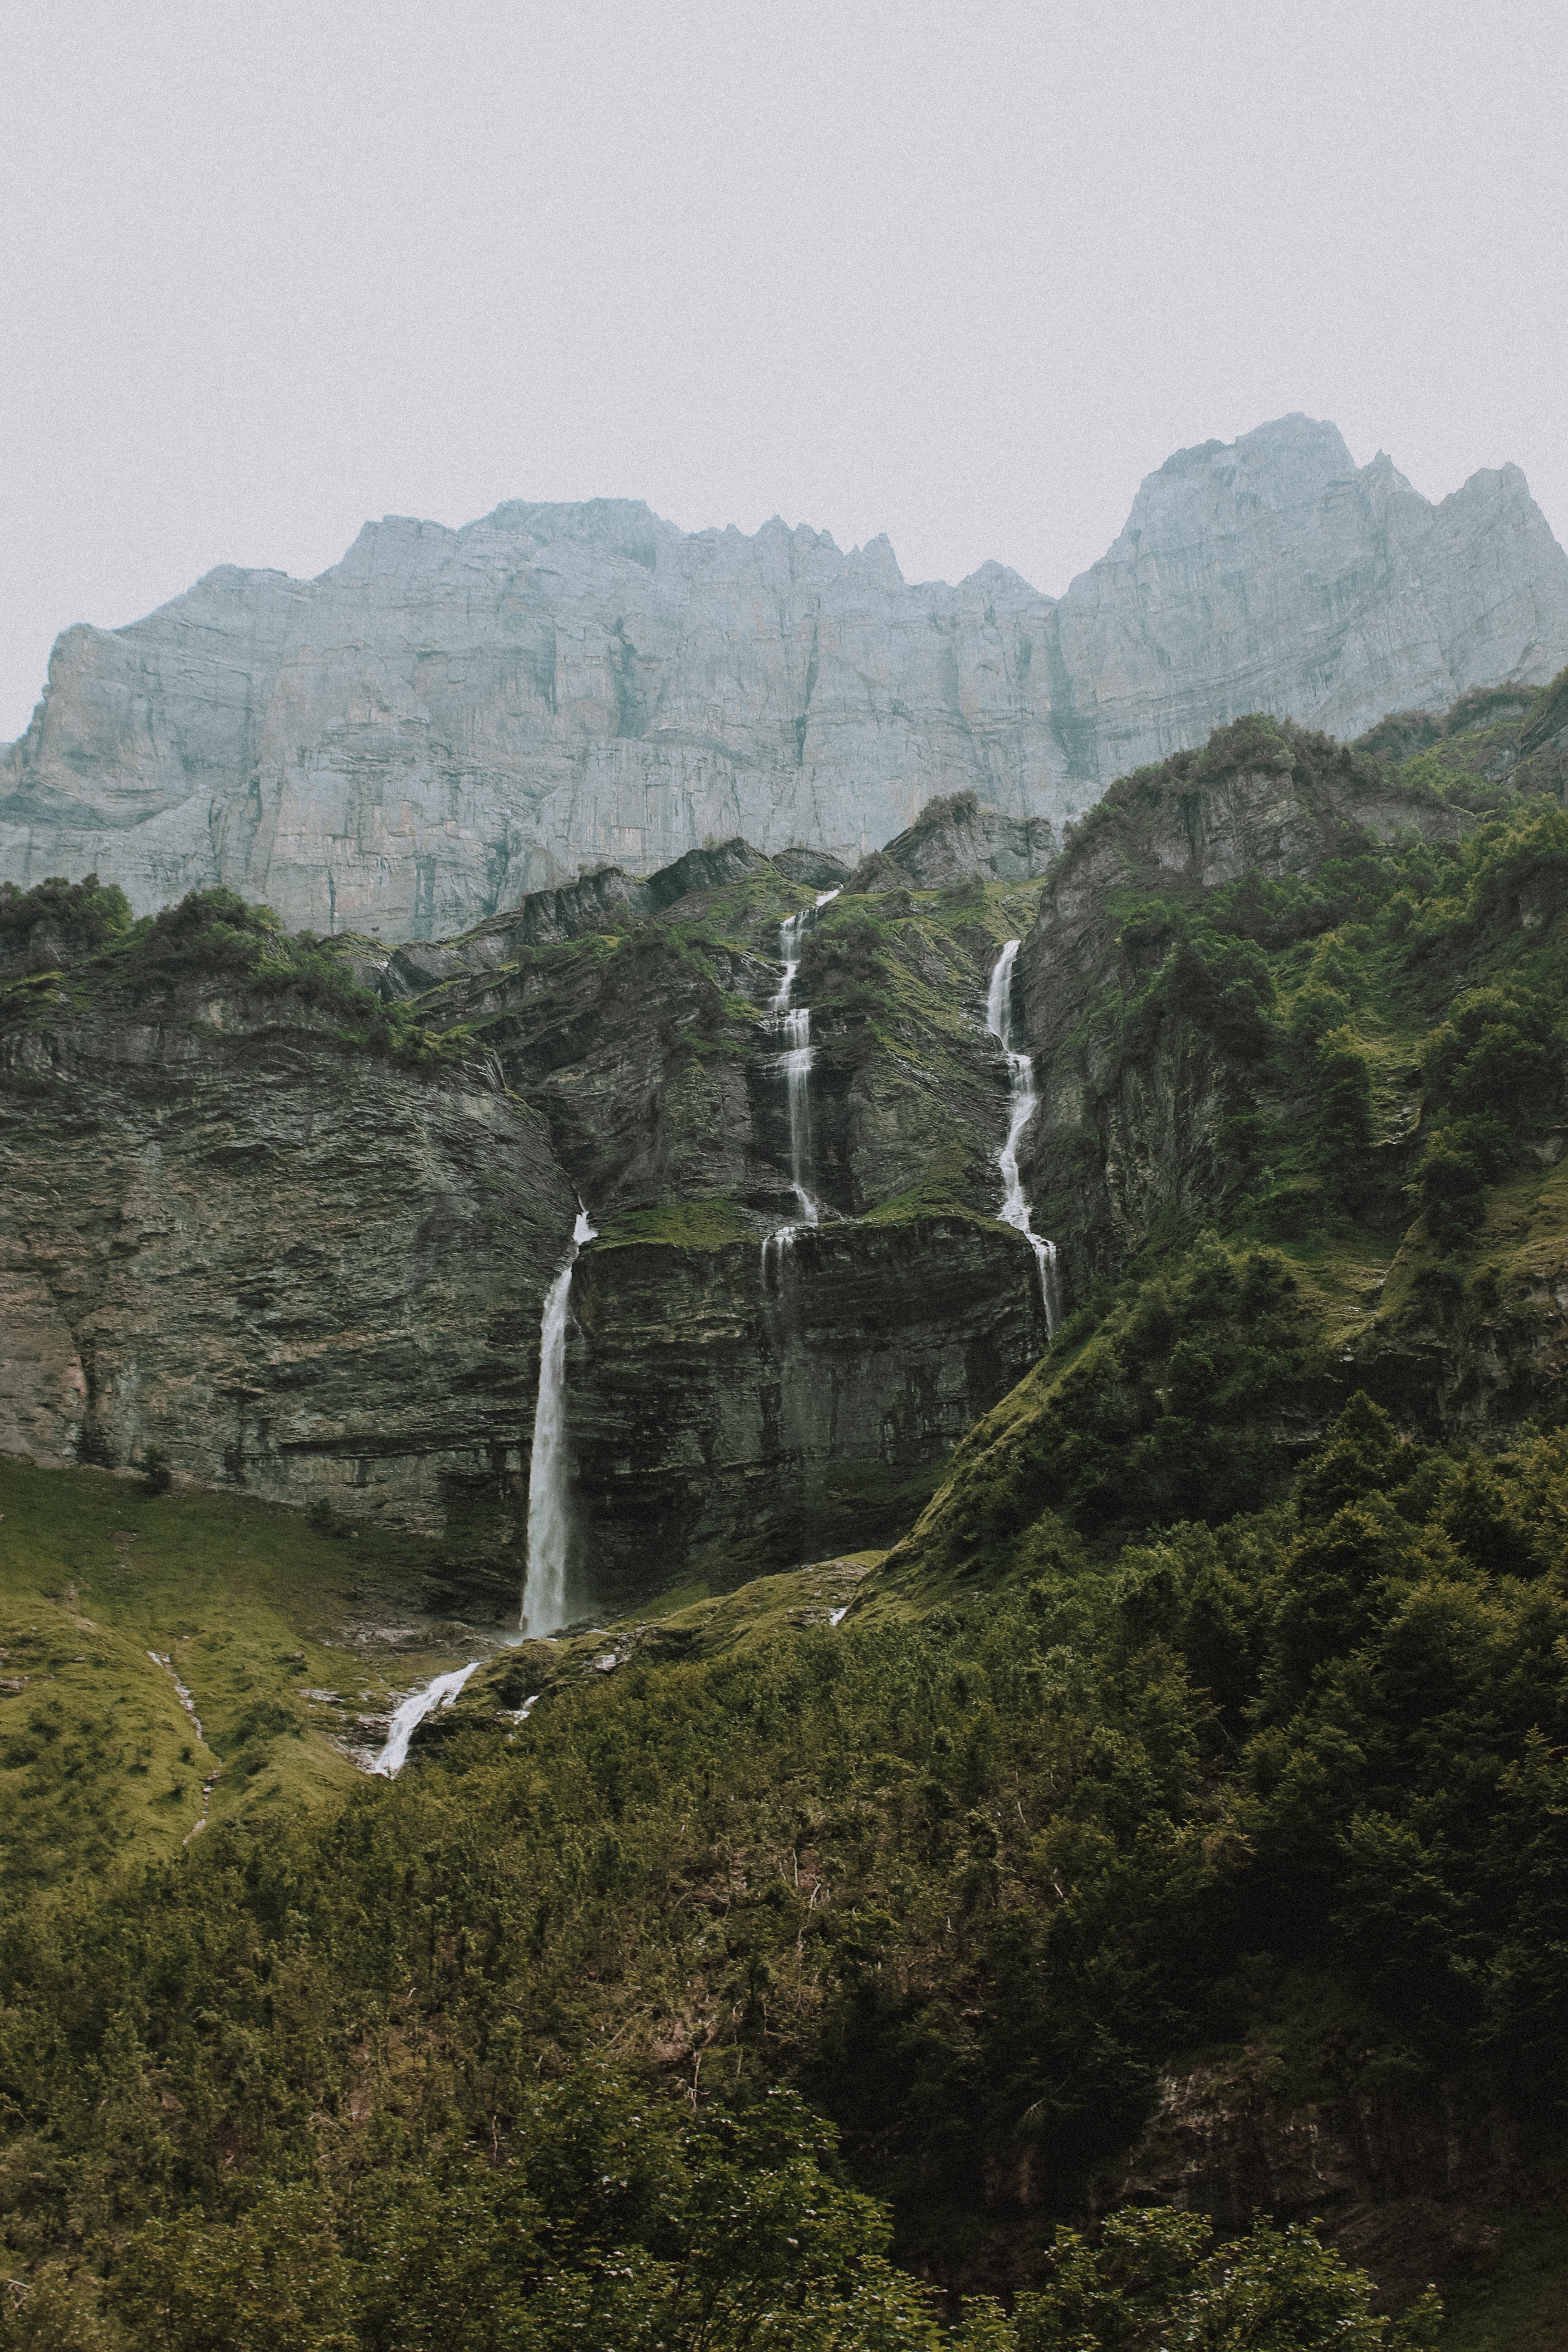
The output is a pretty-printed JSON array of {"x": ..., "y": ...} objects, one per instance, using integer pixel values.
[{"x": 963, "y": 273}]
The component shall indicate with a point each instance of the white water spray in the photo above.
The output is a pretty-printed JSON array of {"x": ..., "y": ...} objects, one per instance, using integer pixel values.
[
  {"x": 412, "y": 1712},
  {"x": 792, "y": 1029},
  {"x": 1022, "y": 1106},
  {"x": 549, "y": 1503}
]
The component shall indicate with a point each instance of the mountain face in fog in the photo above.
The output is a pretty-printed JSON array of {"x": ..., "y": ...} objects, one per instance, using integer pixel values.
[{"x": 449, "y": 719}]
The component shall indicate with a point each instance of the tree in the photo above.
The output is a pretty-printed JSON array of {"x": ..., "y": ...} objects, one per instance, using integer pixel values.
[{"x": 1152, "y": 2279}]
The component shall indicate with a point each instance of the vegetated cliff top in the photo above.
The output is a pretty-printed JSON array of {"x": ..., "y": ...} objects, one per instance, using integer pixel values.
[
  {"x": 1265, "y": 797},
  {"x": 1301, "y": 1027}
]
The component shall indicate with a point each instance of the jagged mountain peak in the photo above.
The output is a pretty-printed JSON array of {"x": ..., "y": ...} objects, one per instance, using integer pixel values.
[
  {"x": 450, "y": 718},
  {"x": 1285, "y": 446}
]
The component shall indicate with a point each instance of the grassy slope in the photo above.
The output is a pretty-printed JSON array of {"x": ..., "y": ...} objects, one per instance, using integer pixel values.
[
  {"x": 100, "y": 1762},
  {"x": 273, "y": 1631}
]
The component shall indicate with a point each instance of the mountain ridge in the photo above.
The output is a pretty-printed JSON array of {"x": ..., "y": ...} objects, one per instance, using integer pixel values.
[{"x": 449, "y": 720}]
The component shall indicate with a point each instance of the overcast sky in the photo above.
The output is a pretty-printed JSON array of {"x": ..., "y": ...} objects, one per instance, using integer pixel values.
[{"x": 963, "y": 273}]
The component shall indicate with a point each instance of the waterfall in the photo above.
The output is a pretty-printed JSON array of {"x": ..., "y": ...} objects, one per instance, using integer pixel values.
[
  {"x": 413, "y": 1712},
  {"x": 1022, "y": 1105},
  {"x": 549, "y": 1503},
  {"x": 796, "y": 1032},
  {"x": 792, "y": 1026}
]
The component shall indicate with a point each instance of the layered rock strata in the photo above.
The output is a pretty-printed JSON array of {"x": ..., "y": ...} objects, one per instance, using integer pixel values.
[
  {"x": 285, "y": 1263},
  {"x": 449, "y": 720},
  {"x": 820, "y": 1389}
]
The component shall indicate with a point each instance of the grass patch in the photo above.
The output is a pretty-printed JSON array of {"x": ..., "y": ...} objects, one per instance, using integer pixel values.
[
  {"x": 1521, "y": 2305},
  {"x": 681, "y": 1224}
]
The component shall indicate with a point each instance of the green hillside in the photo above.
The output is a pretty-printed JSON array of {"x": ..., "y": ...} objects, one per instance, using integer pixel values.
[
  {"x": 1130, "y": 1910},
  {"x": 111, "y": 1596}
]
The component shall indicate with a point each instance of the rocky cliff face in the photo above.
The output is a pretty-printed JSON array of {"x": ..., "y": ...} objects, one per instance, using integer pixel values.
[
  {"x": 247, "y": 1220},
  {"x": 819, "y": 1391},
  {"x": 291, "y": 1266},
  {"x": 245, "y": 1223},
  {"x": 740, "y": 1398},
  {"x": 951, "y": 839},
  {"x": 1210, "y": 940},
  {"x": 1406, "y": 2185},
  {"x": 1270, "y": 574},
  {"x": 449, "y": 720}
]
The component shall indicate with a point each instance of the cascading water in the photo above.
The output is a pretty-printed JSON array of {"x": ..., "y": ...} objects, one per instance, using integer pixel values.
[
  {"x": 1023, "y": 1103},
  {"x": 792, "y": 1026},
  {"x": 412, "y": 1712},
  {"x": 549, "y": 1501}
]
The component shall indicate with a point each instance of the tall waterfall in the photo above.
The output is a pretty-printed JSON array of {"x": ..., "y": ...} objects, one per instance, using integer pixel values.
[
  {"x": 792, "y": 1026},
  {"x": 549, "y": 1503},
  {"x": 1022, "y": 1105}
]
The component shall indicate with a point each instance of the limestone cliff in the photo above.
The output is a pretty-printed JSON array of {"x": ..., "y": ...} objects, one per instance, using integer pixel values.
[{"x": 449, "y": 720}]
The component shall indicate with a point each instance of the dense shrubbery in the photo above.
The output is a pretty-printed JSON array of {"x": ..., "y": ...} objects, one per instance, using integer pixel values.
[
  {"x": 213, "y": 939},
  {"x": 1153, "y": 2278},
  {"x": 1221, "y": 983},
  {"x": 1316, "y": 1015},
  {"x": 62, "y": 918},
  {"x": 208, "y": 933},
  {"x": 1162, "y": 1415},
  {"x": 847, "y": 955},
  {"x": 614, "y": 2218},
  {"x": 963, "y": 1883}
]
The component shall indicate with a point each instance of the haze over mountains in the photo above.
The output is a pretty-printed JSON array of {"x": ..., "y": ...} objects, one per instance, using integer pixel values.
[{"x": 450, "y": 718}]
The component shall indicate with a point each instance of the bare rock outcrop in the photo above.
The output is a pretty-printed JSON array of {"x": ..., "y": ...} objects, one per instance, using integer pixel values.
[
  {"x": 952, "y": 838},
  {"x": 1405, "y": 2185}
]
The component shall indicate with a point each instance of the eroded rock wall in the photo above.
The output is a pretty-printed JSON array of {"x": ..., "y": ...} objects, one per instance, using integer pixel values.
[
  {"x": 734, "y": 1411},
  {"x": 1126, "y": 1138},
  {"x": 287, "y": 1264},
  {"x": 237, "y": 1230}
]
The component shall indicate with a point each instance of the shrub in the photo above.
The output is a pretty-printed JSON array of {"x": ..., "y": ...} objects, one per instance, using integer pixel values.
[
  {"x": 1495, "y": 1053},
  {"x": 157, "y": 1475},
  {"x": 209, "y": 933},
  {"x": 1152, "y": 2278},
  {"x": 1343, "y": 1105},
  {"x": 1457, "y": 1164},
  {"x": 75, "y": 916}
]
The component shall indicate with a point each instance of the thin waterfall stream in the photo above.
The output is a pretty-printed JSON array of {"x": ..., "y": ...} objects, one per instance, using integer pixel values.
[
  {"x": 1023, "y": 1103},
  {"x": 544, "y": 1588},
  {"x": 791, "y": 1026},
  {"x": 411, "y": 1714}
]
